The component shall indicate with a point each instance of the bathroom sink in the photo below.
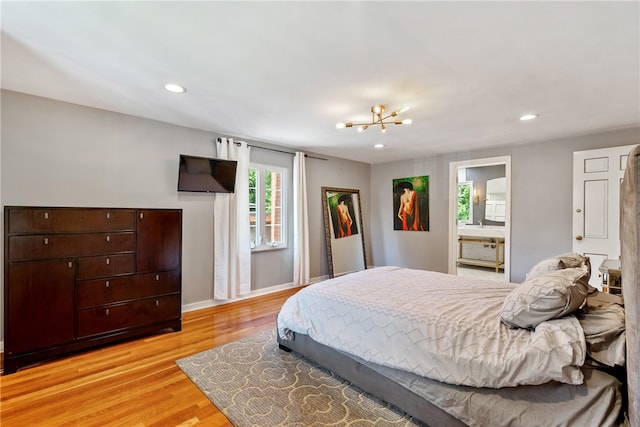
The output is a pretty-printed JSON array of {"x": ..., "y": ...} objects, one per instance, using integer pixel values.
[{"x": 488, "y": 231}]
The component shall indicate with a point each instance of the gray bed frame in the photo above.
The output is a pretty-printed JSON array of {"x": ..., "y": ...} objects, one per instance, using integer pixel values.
[
  {"x": 370, "y": 380},
  {"x": 379, "y": 385}
]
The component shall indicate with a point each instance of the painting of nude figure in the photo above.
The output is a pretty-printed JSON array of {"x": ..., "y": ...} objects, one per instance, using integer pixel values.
[
  {"x": 411, "y": 203},
  {"x": 342, "y": 214}
]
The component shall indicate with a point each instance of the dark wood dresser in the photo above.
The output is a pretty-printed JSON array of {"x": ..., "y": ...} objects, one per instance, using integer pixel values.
[{"x": 82, "y": 277}]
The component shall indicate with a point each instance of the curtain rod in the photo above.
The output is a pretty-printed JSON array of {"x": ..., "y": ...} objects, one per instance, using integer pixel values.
[
  {"x": 285, "y": 152},
  {"x": 273, "y": 149}
]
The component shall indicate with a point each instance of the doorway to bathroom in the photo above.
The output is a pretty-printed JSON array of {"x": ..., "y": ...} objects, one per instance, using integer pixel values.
[{"x": 480, "y": 218}]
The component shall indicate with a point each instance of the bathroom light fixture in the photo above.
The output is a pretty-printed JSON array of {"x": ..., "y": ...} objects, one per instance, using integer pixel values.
[
  {"x": 476, "y": 197},
  {"x": 175, "y": 88},
  {"x": 526, "y": 117},
  {"x": 377, "y": 118}
]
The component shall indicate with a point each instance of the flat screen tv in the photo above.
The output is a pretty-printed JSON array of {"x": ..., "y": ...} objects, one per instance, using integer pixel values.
[{"x": 206, "y": 175}]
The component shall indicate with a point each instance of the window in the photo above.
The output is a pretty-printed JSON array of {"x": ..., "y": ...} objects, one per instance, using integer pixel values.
[
  {"x": 267, "y": 219},
  {"x": 465, "y": 206}
]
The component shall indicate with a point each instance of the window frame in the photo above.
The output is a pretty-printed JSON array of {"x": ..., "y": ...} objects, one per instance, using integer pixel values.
[{"x": 261, "y": 226}]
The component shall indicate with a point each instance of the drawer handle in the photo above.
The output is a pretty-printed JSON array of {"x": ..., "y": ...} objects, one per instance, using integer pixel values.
[
  {"x": 70, "y": 264},
  {"x": 141, "y": 215},
  {"x": 46, "y": 215},
  {"x": 106, "y": 312},
  {"x": 157, "y": 277},
  {"x": 107, "y": 284},
  {"x": 157, "y": 303},
  {"x": 108, "y": 238},
  {"x": 46, "y": 241},
  {"x": 108, "y": 215},
  {"x": 108, "y": 261}
]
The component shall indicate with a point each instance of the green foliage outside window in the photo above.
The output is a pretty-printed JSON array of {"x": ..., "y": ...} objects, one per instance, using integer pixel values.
[
  {"x": 267, "y": 195},
  {"x": 252, "y": 186},
  {"x": 464, "y": 202}
]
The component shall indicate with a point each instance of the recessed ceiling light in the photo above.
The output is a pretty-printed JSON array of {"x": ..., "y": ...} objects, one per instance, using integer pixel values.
[
  {"x": 529, "y": 117},
  {"x": 379, "y": 146},
  {"x": 175, "y": 88}
]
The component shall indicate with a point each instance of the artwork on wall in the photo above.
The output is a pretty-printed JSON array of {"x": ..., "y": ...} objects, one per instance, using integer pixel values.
[
  {"x": 342, "y": 212},
  {"x": 411, "y": 203}
]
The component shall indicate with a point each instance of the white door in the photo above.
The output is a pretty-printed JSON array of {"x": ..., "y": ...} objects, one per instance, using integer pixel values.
[{"x": 596, "y": 205}]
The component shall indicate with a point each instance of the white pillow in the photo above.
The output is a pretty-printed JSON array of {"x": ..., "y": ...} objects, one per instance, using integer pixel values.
[
  {"x": 545, "y": 297},
  {"x": 559, "y": 262}
]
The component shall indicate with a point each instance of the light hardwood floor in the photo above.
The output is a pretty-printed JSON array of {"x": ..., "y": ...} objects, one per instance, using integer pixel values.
[{"x": 135, "y": 383}]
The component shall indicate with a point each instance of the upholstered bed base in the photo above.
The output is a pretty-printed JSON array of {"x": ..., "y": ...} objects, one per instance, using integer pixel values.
[{"x": 370, "y": 380}]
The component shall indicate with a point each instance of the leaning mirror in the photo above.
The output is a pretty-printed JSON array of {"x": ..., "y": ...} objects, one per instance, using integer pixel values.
[{"x": 343, "y": 230}]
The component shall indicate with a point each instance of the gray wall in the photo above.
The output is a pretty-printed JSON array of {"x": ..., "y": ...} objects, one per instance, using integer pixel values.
[
  {"x": 60, "y": 154},
  {"x": 541, "y": 179}
]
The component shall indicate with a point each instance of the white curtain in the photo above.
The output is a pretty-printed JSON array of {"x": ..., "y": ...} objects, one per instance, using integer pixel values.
[
  {"x": 300, "y": 222},
  {"x": 231, "y": 251}
]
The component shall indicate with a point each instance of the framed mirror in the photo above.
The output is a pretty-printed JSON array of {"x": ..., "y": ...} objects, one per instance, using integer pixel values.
[{"x": 342, "y": 214}]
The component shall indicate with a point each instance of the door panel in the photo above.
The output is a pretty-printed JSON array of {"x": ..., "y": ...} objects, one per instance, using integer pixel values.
[
  {"x": 159, "y": 240},
  {"x": 595, "y": 209},
  {"x": 40, "y": 298}
]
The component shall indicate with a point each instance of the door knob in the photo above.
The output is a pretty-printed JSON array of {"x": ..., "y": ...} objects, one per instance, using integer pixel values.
[{"x": 578, "y": 237}]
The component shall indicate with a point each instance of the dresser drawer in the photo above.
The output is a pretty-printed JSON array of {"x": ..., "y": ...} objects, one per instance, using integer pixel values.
[
  {"x": 106, "y": 266},
  {"x": 101, "y": 320},
  {"x": 121, "y": 289},
  {"x": 165, "y": 282},
  {"x": 66, "y": 245},
  {"x": 69, "y": 220},
  {"x": 91, "y": 293}
]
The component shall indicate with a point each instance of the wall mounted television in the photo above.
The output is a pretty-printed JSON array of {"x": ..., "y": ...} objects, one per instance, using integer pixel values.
[{"x": 206, "y": 175}]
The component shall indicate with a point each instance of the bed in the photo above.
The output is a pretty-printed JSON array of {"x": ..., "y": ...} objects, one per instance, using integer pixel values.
[{"x": 453, "y": 351}]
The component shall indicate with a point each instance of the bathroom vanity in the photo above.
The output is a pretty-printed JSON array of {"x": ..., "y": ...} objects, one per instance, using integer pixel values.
[{"x": 481, "y": 246}]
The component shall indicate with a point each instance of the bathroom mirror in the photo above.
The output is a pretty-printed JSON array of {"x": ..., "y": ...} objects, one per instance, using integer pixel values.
[
  {"x": 495, "y": 201},
  {"x": 342, "y": 213}
]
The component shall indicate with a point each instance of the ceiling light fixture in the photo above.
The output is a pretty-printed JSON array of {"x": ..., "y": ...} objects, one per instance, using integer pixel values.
[
  {"x": 529, "y": 117},
  {"x": 377, "y": 118},
  {"x": 378, "y": 146},
  {"x": 175, "y": 88}
]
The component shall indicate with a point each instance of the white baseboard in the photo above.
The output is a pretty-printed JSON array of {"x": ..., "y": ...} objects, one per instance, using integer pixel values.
[{"x": 258, "y": 292}]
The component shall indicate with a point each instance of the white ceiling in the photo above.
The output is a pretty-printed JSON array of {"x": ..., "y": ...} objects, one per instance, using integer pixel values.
[{"x": 287, "y": 72}]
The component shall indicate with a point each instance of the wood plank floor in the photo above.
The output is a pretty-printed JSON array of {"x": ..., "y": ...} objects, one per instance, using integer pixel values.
[{"x": 135, "y": 383}]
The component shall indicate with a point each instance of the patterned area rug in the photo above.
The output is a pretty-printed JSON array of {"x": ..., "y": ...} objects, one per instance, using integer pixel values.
[{"x": 254, "y": 383}]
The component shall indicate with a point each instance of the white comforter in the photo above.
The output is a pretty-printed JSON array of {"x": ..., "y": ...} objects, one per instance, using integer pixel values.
[{"x": 435, "y": 325}]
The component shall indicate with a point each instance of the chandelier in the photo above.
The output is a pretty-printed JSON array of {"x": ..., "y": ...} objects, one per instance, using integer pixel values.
[{"x": 378, "y": 118}]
